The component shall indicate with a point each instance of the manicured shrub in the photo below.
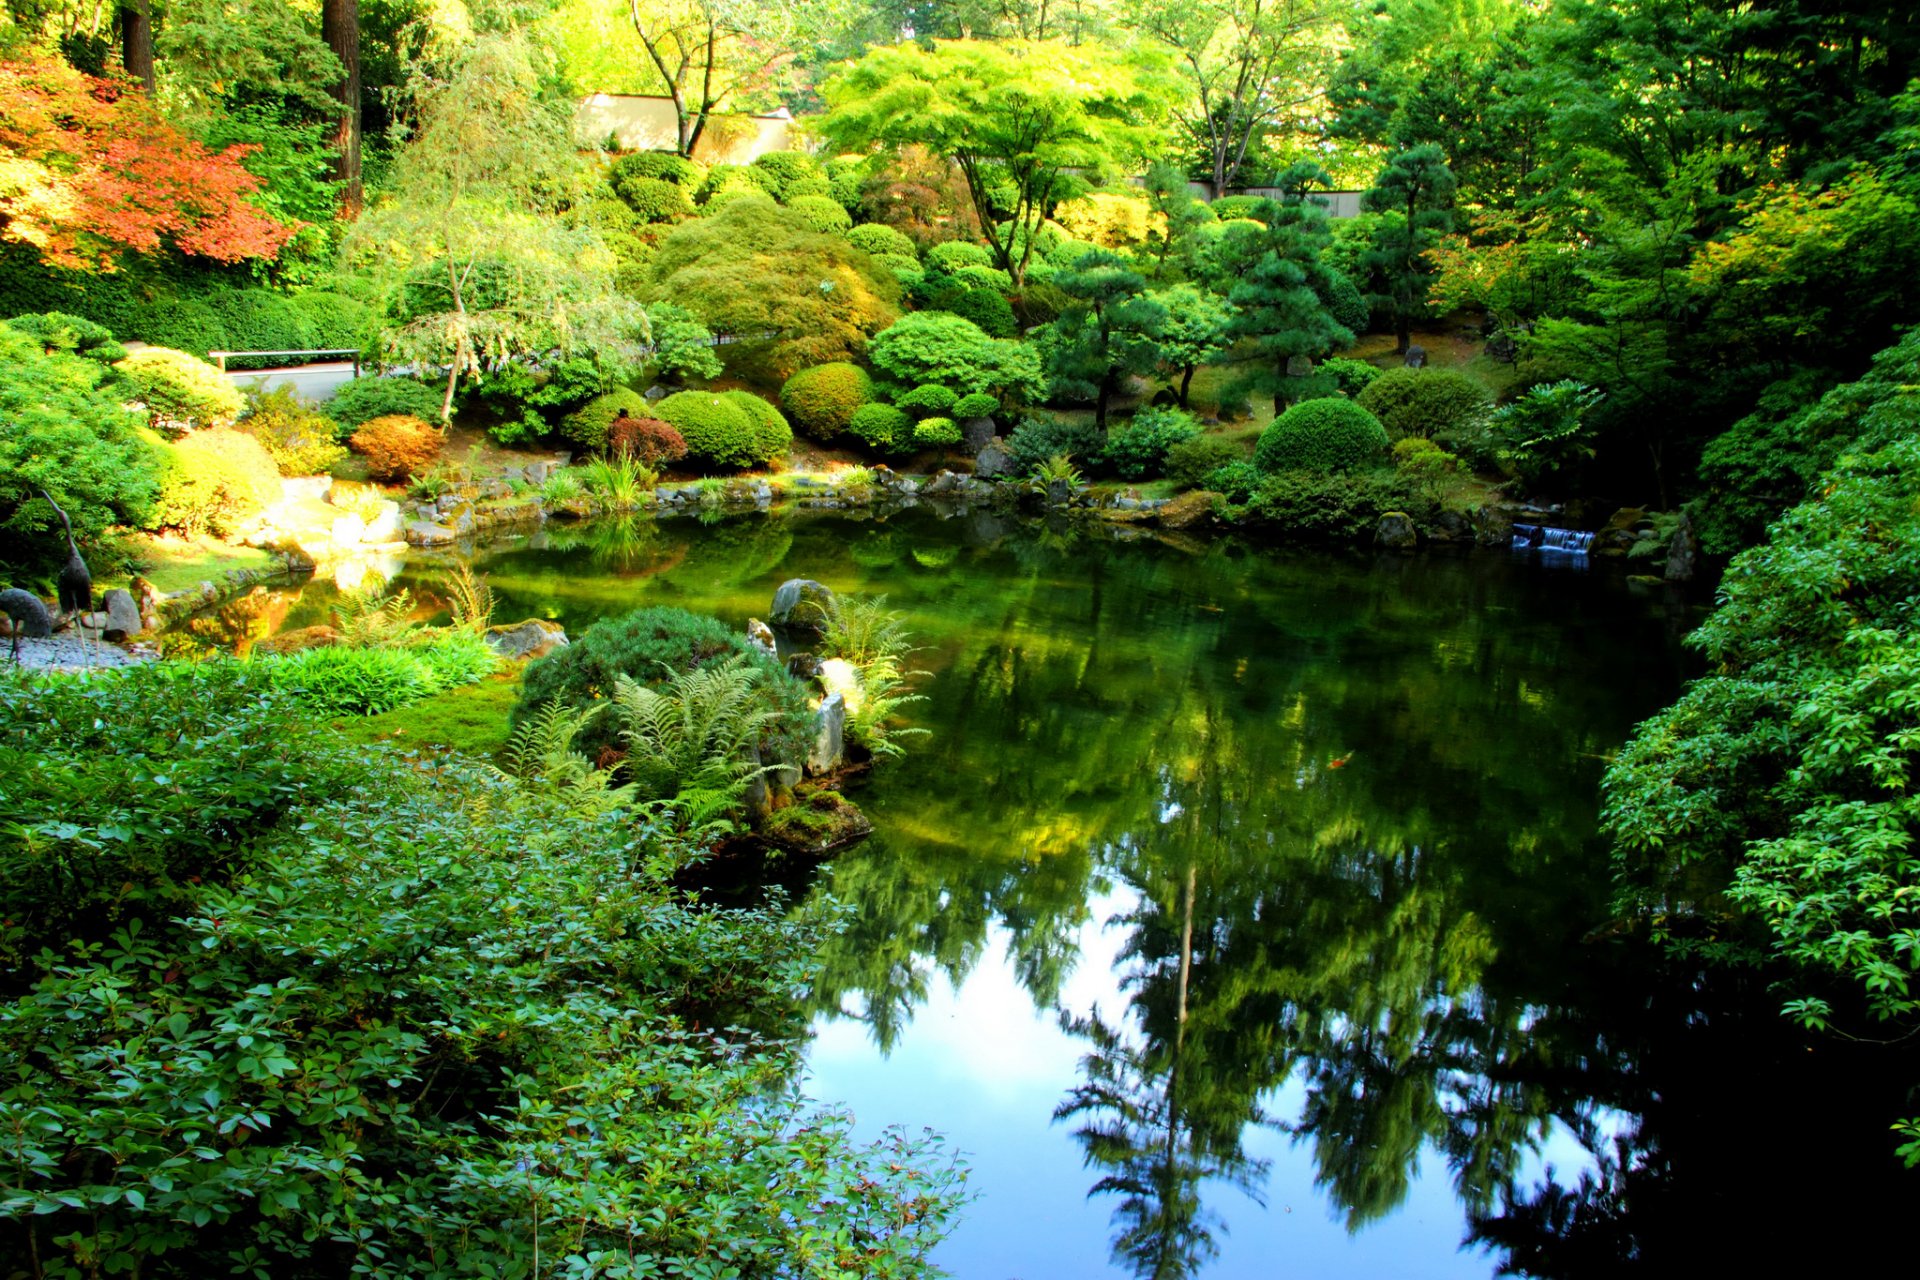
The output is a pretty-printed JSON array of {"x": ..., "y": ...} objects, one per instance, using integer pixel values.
[
  {"x": 75, "y": 336},
  {"x": 936, "y": 432},
  {"x": 397, "y": 446},
  {"x": 882, "y": 241},
  {"x": 1422, "y": 457},
  {"x": 652, "y": 646},
  {"x": 179, "y": 392},
  {"x": 1137, "y": 448},
  {"x": 301, "y": 440},
  {"x": 664, "y": 165},
  {"x": 1235, "y": 481},
  {"x": 260, "y": 320},
  {"x": 1351, "y": 376},
  {"x": 823, "y": 213},
  {"x": 1426, "y": 402},
  {"x": 1338, "y": 508},
  {"x": 989, "y": 309},
  {"x": 1037, "y": 439},
  {"x": 1345, "y": 301},
  {"x": 772, "y": 435},
  {"x": 718, "y": 431},
  {"x": 654, "y": 199},
  {"x": 978, "y": 277},
  {"x": 1321, "y": 435},
  {"x": 648, "y": 441},
  {"x": 214, "y": 482},
  {"x": 787, "y": 175},
  {"x": 336, "y": 321},
  {"x": 1109, "y": 220},
  {"x": 821, "y": 401},
  {"x": 371, "y": 396},
  {"x": 588, "y": 425},
  {"x": 1190, "y": 462},
  {"x": 975, "y": 406},
  {"x": 906, "y": 270},
  {"x": 927, "y": 401},
  {"x": 955, "y": 254},
  {"x": 1229, "y": 208},
  {"x": 933, "y": 346},
  {"x": 182, "y": 324},
  {"x": 880, "y": 426},
  {"x": 725, "y": 183}
]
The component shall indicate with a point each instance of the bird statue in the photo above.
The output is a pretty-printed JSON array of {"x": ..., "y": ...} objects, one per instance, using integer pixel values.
[
  {"x": 75, "y": 582},
  {"x": 29, "y": 616}
]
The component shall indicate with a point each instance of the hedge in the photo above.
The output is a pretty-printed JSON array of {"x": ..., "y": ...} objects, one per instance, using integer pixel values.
[
  {"x": 881, "y": 240},
  {"x": 371, "y": 396},
  {"x": 1327, "y": 435}
]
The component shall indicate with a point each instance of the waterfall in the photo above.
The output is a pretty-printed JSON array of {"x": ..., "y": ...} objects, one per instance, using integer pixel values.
[{"x": 1545, "y": 538}]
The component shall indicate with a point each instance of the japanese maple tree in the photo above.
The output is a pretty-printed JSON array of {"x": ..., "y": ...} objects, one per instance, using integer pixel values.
[{"x": 89, "y": 169}]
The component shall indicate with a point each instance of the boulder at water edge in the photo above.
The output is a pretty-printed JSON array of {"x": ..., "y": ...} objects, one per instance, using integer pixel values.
[
  {"x": 1396, "y": 531},
  {"x": 123, "y": 615},
  {"x": 829, "y": 750},
  {"x": 801, "y": 604},
  {"x": 760, "y": 636},
  {"x": 534, "y": 638}
]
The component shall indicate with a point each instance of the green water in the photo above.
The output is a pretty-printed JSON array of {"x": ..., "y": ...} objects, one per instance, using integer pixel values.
[{"x": 1242, "y": 910}]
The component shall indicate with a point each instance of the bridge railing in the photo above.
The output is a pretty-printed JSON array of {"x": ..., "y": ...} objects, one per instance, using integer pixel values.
[{"x": 220, "y": 357}]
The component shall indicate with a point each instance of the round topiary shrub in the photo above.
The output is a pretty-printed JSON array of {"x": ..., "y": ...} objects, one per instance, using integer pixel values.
[
  {"x": 588, "y": 425},
  {"x": 928, "y": 401},
  {"x": 652, "y": 646},
  {"x": 881, "y": 240},
  {"x": 213, "y": 482},
  {"x": 788, "y": 174},
  {"x": 879, "y": 426},
  {"x": 936, "y": 432},
  {"x": 1321, "y": 435},
  {"x": 821, "y": 401},
  {"x": 979, "y": 277},
  {"x": 955, "y": 254},
  {"x": 654, "y": 199},
  {"x": 977, "y": 405},
  {"x": 397, "y": 446},
  {"x": 1353, "y": 376},
  {"x": 822, "y": 213},
  {"x": 1425, "y": 402},
  {"x": 989, "y": 309},
  {"x": 180, "y": 393},
  {"x": 718, "y": 430},
  {"x": 772, "y": 435},
  {"x": 648, "y": 441},
  {"x": 371, "y": 396},
  {"x": 1137, "y": 449},
  {"x": 663, "y": 165}
]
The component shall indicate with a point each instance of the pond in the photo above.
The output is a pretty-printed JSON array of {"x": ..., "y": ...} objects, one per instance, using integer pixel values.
[{"x": 1242, "y": 912}]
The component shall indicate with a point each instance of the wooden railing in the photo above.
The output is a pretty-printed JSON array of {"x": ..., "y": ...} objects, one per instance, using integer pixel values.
[{"x": 220, "y": 357}]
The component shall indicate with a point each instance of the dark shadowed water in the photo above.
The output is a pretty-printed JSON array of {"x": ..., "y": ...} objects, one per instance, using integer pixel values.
[{"x": 1242, "y": 913}]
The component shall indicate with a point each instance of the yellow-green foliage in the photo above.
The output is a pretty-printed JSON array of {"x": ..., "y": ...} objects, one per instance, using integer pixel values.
[
  {"x": 1110, "y": 220},
  {"x": 214, "y": 482},
  {"x": 180, "y": 392},
  {"x": 821, "y": 401},
  {"x": 470, "y": 720},
  {"x": 301, "y": 440}
]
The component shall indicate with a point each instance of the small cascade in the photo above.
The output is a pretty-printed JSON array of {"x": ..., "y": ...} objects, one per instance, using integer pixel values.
[{"x": 1546, "y": 538}]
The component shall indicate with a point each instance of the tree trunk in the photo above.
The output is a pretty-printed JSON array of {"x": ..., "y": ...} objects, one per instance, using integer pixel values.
[
  {"x": 1100, "y": 402},
  {"x": 136, "y": 40},
  {"x": 1186, "y": 381},
  {"x": 340, "y": 28}
]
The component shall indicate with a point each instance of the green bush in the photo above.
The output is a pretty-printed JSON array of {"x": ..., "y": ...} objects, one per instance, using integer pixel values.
[
  {"x": 337, "y": 321},
  {"x": 1337, "y": 508},
  {"x": 923, "y": 402},
  {"x": 667, "y": 166},
  {"x": 718, "y": 431},
  {"x": 260, "y": 320},
  {"x": 787, "y": 175},
  {"x": 1137, "y": 448},
  {"x": 66, "y": 431},
  {"x": 822, "y": 213},
  {"x": 955, "y": 254},
  {"x": 1345, "y": 302},
  {"x": 883, "y": 241},
  {"x": 724, "y": 183},
  {"x": 933, "y": 346},
  {"x": 371, "y": 396},
  {"x": 975, "y": 276},
  {"x": 301, "y": 441},
  {"x": 1436, "y": 403},
  {"x": 342, "y": 681},
  {"x": 975, "y": 406},
  {"x": 936, "y": 432},
  {"x": 1420, "y": 457},
  {"x": 73, "y": 335},
  {"x": 989, "y": 309},
  {"x": 1190, "y": 462},
  {"x": 588, "y": 425},
  {"x": 821, "y": 401},
  {"x": 214, "y": 481},
  {"x": 180, "y": 393},
  {"x": 880, "y": 426},
  {"x": 652, "y": 646},
  {"x": 1037, "y": 439},
  {"x": 298, "y": 925},
  {"x": 772, "y": 435},
  {"x": 654, "y": 199},
  {"x": 1321, "y": 435},
  {"x": 1227, "y": 208},
  {"x": 182, "y": 324},
  {"x": 1351, "y": 376},
  {"x": 1235, "y": 481},
  {"x": 905, "y": 269}
]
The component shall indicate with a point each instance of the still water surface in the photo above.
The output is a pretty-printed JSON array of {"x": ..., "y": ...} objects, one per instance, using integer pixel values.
[{"x": 1242, "y": 912}]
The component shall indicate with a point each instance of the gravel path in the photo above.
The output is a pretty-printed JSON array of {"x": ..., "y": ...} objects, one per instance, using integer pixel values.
[{"x": 71, "y": 653}]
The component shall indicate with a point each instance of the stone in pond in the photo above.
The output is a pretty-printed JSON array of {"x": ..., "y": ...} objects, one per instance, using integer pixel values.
[
  {"x": 801, "y": 604},
  {"x": 760, "y": 636},
  {"x": 123, "y": 615},
  {"x": 1396, "y": 531},
  {"x": 1416, "y": 356},
  {"x": 534, "y": 638},
  {"x": 829, "y": 750},
  {"x": 427, "y": 533},
  {"x": 993, "y": 462}
]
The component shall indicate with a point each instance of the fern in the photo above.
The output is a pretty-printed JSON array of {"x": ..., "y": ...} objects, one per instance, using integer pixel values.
[
  {"x": 541, "y": 754},
  {"x": 865, "y": 631},
  {"x": 692, "y": 743},
  {"x": 882, "y": 694},
  {"x": 370, "y": 621},
  {"x": 469, "y": 599}
]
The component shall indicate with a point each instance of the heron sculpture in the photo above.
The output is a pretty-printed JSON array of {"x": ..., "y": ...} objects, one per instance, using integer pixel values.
[{"x": 75, "y": 580}]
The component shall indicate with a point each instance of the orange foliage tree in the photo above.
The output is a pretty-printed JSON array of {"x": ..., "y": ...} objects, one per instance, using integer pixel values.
[{"x": 89, "y": 169}]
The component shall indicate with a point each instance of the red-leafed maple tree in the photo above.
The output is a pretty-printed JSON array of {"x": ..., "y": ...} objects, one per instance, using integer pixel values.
[{"x": 89, "y": 169}]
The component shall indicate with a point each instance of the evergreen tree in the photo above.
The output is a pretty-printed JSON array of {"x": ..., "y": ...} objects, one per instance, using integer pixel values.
[
  {"x": 1414, "y": 190},
  {"x": 1111, "y": 330},
  {"x": 1280, "y": 294}
]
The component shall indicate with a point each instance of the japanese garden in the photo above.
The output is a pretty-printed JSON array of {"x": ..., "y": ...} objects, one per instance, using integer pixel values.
[{"x": 739, "y": 639}]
